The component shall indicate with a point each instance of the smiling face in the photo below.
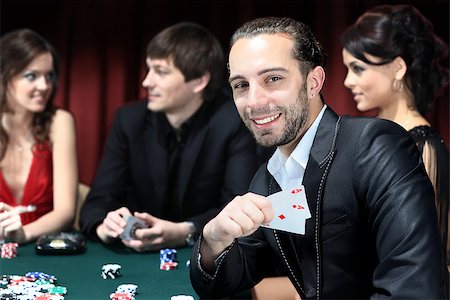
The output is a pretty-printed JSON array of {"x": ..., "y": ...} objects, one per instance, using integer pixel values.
[
  {"x": 268, "y": 89},
  {"x": 31, "y": 88},
  {"x": 371, "y": 85}
]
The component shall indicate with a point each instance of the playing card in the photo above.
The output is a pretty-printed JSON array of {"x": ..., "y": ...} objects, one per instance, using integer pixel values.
[
  {"x": 291, "y": 210},
  {"x": 133, "y": 223}
]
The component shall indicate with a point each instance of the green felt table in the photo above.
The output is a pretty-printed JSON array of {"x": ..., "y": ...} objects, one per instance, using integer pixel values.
[{"x": 81, "y": 273}]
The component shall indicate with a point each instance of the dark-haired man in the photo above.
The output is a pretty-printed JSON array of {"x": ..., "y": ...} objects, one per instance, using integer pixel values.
[
  {"x": 370, "y": 230},
  {"x": 174, "y": 159}
]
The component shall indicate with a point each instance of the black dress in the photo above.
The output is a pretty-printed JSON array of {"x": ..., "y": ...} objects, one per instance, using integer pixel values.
[{"x": 436, "y": 159}]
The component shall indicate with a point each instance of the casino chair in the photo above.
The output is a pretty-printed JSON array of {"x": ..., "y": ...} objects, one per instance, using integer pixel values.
[
  {"x": 83, "y": 190},
  {"x": 274, "y": 288}
]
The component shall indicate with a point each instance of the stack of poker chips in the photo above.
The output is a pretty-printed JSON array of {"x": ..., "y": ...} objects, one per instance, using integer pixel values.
[
  {"x": 9, "y": 250},
  {"x": 124, "y": 292},
  {"x": 41, "y": 277},
  {"x": 168, "y": 259},
  {"x": 34, "y": 285},
  {"x": 111, "y": 271}
]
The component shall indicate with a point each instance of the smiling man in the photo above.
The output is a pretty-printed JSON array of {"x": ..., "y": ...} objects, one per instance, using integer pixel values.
[
  {"x": 372, "y": 230},
  {"x": 174, "y": 159}
]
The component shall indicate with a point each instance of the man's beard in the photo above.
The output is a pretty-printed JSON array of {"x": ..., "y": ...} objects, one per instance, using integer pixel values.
[{"x": 296, "y": 116}]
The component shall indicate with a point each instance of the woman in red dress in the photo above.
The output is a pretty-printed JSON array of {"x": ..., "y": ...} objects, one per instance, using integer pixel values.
[{"x": 38, "y": 164}]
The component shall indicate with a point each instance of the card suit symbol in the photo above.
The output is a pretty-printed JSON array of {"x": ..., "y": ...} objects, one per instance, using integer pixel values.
[
  {"x": 298, "y": 206},
  {"x": 296, "y": 191},
  {"x": 281, "y": 217}
]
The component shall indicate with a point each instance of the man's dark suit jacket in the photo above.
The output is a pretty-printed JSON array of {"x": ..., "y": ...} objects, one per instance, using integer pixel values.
[
  {"x": 373, "y": 231},
  {"x": 218, "y": 162}
]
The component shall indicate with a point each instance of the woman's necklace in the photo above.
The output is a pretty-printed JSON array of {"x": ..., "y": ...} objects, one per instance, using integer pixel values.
[
  {"x": 21, "y": 144},
  {"x": 19, "y": 136},
  {"x": 19, "y": 147}
]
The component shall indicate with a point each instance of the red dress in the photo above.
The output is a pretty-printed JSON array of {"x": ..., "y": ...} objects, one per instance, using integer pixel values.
[{"x": 38, "y": 188}]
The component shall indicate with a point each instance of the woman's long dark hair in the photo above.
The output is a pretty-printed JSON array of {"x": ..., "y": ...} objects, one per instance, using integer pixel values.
[
  {"x": 389, "y": 31},
  {"x": 18, "y": 49}
]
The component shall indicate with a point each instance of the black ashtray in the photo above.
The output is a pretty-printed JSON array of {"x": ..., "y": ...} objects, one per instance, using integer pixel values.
[{"x": 60, "y": 243}]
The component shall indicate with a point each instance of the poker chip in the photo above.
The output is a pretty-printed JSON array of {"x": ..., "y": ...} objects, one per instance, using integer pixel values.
[
  {"x": 16, "y": 280},
  {"x": 24, "y": 288},
  {"x": 167, "y": 266},
  {"x": 32, "y": 286},
  {"x": 9, "y": 250},
  {"x": 25, "y": 297},
  {"x": 181, "y": 297},
  {"x": 45, "y": 297},
  {"x": 29, "y": 295},
  {"x": 111, "y": 271},
  {"x": 168, "y": 259},
  {"x": 17, "y": 290},
  {"x": 3, "y": 280},
  {"x": 8, "y": 296},
  {"x": 121, "y": 296},
  {"x": 58, "y": 290},
  {"x": 43, "y": 284},
  {"x": 42, "y": 281},
  {"x": 50, "y": 297},
  {"x": 127, "y": 288},
  {"x": 41, "y": 275},
  {"x": 166, "y": 255}
]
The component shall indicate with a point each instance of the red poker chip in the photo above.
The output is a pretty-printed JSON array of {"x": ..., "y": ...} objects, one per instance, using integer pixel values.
[
  {"x": 44, "y": 297},
  {"x": 170, "y": 265},
  {"x": 9, "y": 250},
  {"x": 121, "y": 296}
]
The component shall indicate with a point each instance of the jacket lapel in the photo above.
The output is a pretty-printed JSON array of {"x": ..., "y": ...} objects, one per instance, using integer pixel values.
[
  {"x": 322, "y": 151},
  {"x": 287, "y": 247},
  {"x": 320, "y": 158},
  {"x": 303, "y": 261}
]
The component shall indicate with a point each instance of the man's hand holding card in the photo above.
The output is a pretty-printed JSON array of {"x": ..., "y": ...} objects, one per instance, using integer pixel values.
[
  {"x": 132, "y": 225},
  {"x": 291, "y": 210}
]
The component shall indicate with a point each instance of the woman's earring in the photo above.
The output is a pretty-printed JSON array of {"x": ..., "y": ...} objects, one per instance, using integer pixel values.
[{"x": 397, "y": 85}]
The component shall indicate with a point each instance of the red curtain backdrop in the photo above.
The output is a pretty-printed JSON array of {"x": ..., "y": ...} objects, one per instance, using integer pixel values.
[{"x": 102, "y": 49}]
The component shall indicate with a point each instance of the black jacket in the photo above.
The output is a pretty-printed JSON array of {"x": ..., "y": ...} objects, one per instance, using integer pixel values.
[
  {"x": 373, "y": 231},
  {"x": 218, "y": 162}
]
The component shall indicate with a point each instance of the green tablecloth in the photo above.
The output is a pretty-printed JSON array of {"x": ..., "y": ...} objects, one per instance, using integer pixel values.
[{"x": 81, "y": 273}]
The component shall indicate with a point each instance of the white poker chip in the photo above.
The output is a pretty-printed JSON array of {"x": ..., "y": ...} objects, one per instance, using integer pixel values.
[
  {"x": 17, "y": 289},
  {"x": 127, "y": 288},
  {"x": 111, "y": 267},
  {"x": 46, "y": 286},
  {"x": 181, "y": 297},
  {"x": 110, "y": 271},
  {"x": 30, "y": 295},
  {"x": 56, "y": 297}
]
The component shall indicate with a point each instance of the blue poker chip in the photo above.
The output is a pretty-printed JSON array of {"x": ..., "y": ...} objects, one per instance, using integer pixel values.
[
  {"x": 40, "y": 275},
  {"x": 168, "y": 255}
]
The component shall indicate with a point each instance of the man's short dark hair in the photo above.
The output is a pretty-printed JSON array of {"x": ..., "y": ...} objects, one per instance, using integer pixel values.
[
  {"x": 194, "y": 50},
  {"x": 307, "y": 49}
]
